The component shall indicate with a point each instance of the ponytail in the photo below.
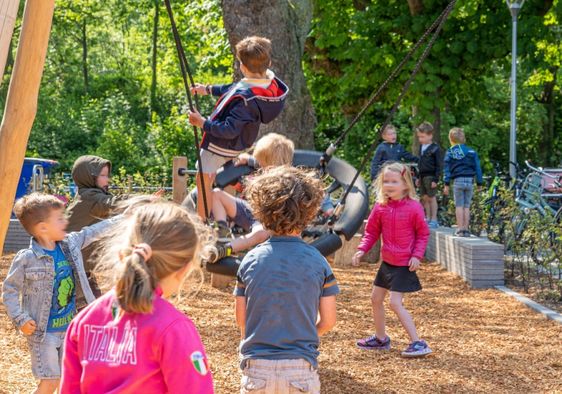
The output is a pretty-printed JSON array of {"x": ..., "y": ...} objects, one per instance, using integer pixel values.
[{"x": 135, "y": 285}]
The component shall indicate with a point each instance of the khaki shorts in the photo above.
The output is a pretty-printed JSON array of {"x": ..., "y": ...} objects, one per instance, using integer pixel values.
[
  {"x": 211, "y": 161},
  {"x": 279, "y": 376}
]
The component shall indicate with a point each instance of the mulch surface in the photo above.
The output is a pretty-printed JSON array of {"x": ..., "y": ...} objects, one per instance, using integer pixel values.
[{"x": 483, "y": 341}]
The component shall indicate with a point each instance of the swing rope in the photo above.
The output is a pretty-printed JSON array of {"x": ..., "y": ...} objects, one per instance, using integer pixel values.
[
  {"x": 441, "y": 22},
  {"x": 377, "y": 93},
  {"x": 186, "y": 74}
]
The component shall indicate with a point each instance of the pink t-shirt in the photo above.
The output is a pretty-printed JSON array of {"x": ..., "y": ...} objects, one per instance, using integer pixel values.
[{"x": 158, "y": 352}]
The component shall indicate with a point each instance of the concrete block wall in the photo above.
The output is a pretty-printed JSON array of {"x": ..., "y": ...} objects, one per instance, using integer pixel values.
[
  {"x": 16, "y": 238},
  {"x": 477, "y": 260}
]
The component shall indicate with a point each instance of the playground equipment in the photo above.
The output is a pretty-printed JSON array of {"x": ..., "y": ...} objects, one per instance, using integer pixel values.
[
  {"x": 21, "y": 101},
  {"x": 325, "y": 236},
  {"x": 33, "y": 175}
]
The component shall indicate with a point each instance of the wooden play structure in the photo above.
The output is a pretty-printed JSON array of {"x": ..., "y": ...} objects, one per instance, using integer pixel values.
[{"x": 21, "y": 101}]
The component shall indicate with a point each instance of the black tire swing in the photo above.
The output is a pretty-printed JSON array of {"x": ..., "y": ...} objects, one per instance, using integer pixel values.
[{"x": 353, "y": 206}]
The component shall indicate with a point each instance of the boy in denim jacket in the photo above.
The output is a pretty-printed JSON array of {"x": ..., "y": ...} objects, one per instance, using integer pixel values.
[
  {"x": 41, "y": 287},
  {"x": 242, "y": 107}
]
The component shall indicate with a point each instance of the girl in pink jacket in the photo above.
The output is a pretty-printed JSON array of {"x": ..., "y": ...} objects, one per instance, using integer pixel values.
[
  {"x": 399, "y": 218},
  {"x": 132, "y": 340}
]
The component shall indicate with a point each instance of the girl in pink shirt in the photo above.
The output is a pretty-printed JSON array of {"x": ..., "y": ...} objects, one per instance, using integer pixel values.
[
  {"x": 132, "y": 340},
  {"x": 399, "y": 218}
]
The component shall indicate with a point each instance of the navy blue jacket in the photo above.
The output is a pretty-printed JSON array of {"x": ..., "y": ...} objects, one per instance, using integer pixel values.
[
  {"x": 389, "y": 152},
  {"x": 430, "y": 162},
  {"x": 234, "y": 128},
  {"x": 462, "y": 161}
]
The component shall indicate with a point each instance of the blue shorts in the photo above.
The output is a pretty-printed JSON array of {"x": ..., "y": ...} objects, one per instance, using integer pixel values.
[
  {"x": 46, "y": 356},
  {"x": 244, "y": 216},
  {"x": 462, "y": 192}
]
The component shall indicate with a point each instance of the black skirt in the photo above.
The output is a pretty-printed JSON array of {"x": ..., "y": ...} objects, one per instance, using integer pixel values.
[{"x": 397, "y": 278}]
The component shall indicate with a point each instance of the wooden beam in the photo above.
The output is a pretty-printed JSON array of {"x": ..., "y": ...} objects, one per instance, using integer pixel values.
[
  {"x": 8, "y": 15},
  {"x": 179, "y": 179},
  {"x": 21, "y": 101}
]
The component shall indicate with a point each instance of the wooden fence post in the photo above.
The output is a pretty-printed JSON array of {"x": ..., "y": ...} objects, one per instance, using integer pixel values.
[
  {"x": 21, "y": 101},
  {"x": 8, "y": 15},
  {"x": 179, "y": 179}
]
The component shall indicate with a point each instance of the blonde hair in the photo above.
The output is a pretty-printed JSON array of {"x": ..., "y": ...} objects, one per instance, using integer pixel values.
[
  {"x": 254, "y": 53},
  {"x": 274, "y": 150},
  {"x": 173, "y": 234},
  {"x": 285, "y": 199},
  {"x": 35, "y": 208},
  {"x": 387, "y": 128},
  {"x": 456, "y": 135},
  {"x": 406, "y": 176}
]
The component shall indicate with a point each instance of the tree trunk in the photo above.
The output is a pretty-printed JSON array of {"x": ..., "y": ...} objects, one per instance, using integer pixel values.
[
  {"x": 416, "y": 7},
  {"x": 21, "y": 101},
  {"x": 8, "y": 15},
  {"x": 286, "y": 24},
  {"x": 85, "y": 56},
  {"x": 154, "y": 55}
]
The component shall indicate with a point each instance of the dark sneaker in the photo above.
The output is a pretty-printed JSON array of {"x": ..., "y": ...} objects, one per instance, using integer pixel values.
[
  {"x": 417, "y": 349},
  {"x": 373, "y": 343},
  {"x": 214, "y": 253},
  {"x": 459, "y": 233},
  {"x": 466, "y": 234}
]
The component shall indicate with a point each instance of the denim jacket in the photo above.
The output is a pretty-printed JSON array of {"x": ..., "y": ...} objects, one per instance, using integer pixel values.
[{"x": 28, "y": 289}]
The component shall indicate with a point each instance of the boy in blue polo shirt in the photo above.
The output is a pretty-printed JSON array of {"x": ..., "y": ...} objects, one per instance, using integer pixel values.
[{"x": 283, "y": 285}]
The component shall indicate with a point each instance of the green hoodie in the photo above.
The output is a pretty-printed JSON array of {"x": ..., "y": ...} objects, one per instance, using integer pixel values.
[{"x": 91, "y": 204}]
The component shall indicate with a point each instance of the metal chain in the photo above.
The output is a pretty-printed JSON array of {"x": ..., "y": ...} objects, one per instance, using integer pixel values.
[
  {"x": 186, "y": 73},
  {"x": 405, "y": 88}
]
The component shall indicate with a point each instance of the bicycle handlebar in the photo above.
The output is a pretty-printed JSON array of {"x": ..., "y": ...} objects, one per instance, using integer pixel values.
[{"x": 542, "y": 172}]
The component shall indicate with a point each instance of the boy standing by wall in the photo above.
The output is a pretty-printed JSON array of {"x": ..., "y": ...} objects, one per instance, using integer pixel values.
[
  {"x": 429, "y": 168},
  {"x": 461, "y": 166},
  {"x": 43, "y": 281},
  {"x": 233, "y": 125},
  {"x": 283, "y": 285},
  {"x": 389, "y": 150}
]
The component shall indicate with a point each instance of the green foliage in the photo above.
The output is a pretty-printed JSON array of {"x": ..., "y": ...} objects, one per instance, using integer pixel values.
[
  {"x": 95, "y": 91},
  {"x": 353, "y": 46}
]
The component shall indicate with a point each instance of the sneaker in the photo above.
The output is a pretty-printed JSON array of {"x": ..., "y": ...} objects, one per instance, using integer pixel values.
[
  {"x": 214, "y": 253},
  {"x": 373, "y": 343},
  {"x": 433, "y": 224},
  {"x": 459, "y": 233},
  {"x": 417, "y": 349},
  {"x": 466, "y": 234},
  {"x": 223, "y": 231}
]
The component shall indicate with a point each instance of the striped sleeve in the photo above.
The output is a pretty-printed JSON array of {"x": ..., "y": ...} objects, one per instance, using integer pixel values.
[
  {"x": 240, "y": 289},
  {"x": 330, "y": 286}
]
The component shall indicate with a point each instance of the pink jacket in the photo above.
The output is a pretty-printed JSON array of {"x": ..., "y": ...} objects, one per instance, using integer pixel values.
[
  {"x": 159, "y": 352},
  {"x": 403, "y": 228}
]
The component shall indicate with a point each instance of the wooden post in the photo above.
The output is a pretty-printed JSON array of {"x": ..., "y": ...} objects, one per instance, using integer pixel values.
[
  {"x": 179, "y": 183},
  {"x": 21, "y": 101},
  {"x": 8, "y": 15}
]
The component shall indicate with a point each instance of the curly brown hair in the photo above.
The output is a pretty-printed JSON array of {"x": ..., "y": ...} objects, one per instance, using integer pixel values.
[{"x": 285, "y": 199}]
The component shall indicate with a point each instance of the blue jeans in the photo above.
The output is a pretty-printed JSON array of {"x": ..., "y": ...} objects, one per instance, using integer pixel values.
[
  {"x": 462, "y": 192},
  {"x": 46, "y": 355}
]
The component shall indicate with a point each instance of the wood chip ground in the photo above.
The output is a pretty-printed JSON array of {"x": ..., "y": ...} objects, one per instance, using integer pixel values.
[{"x": 483, "y": 341}]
